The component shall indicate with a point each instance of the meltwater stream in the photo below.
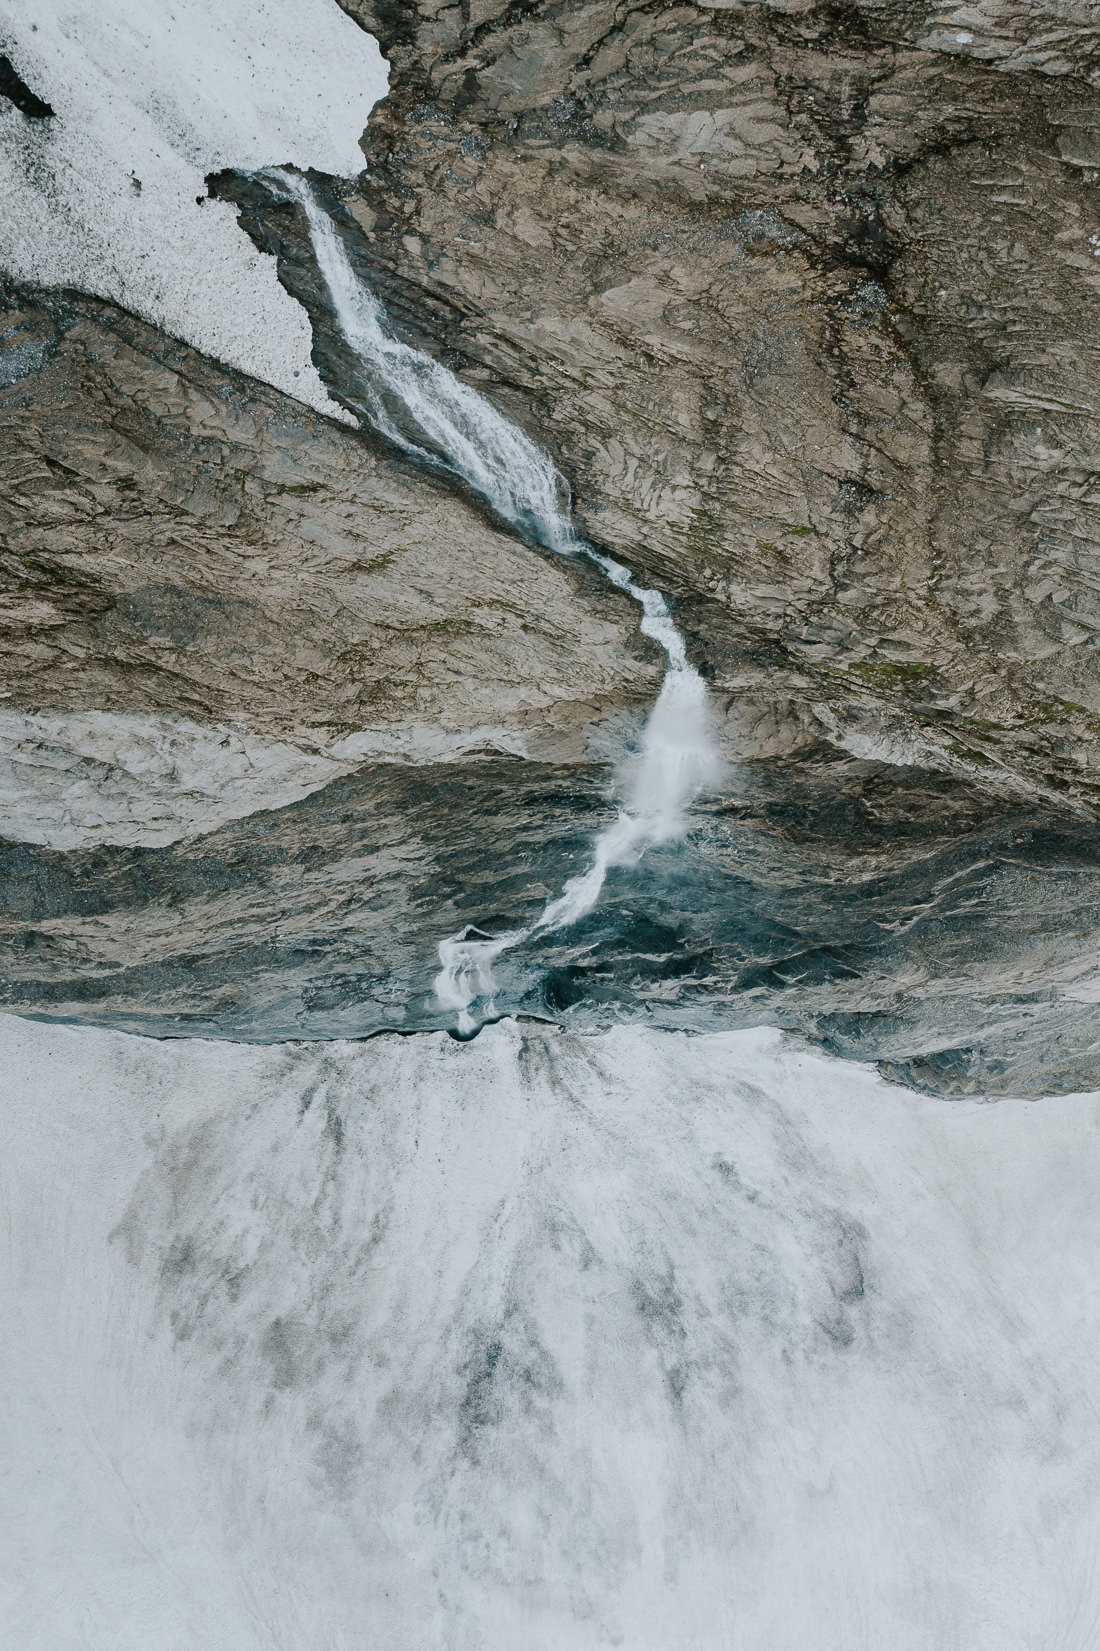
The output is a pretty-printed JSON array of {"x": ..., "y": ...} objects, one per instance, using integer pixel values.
[{"x": 422, "y": 407}]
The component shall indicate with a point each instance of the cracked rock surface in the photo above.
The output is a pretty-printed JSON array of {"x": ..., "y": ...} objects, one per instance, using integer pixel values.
[
  {"x": 806, "y": 299},
  {"x": 180, "y": 541},
  {"x": 803, "y": 300}
]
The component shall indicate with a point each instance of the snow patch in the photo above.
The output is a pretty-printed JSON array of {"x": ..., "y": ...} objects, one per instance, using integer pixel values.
[
  {"x": 108, "y": 195},
  {"x": 548, "y": 1341}
]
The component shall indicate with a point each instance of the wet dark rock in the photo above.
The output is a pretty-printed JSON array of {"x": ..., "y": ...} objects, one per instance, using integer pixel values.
[
  {"x": 15, "y": 89},
  {"x": 886, "y": 913}
]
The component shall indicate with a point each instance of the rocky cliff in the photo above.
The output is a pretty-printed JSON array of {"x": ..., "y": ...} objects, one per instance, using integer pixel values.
[
  {"x": 802, "y": 300},
  {"x": 805, "y": 296}
]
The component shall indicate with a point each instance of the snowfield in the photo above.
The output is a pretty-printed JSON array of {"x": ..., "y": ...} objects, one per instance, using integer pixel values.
[
  {"x": 109, "y": 195},
  {"x": 541, "y": 1341}
]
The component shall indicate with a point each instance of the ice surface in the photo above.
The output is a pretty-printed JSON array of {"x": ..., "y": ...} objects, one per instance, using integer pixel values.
[
  {"x": 149, "y": 99},
  {"x": 542, "y": 1341}
]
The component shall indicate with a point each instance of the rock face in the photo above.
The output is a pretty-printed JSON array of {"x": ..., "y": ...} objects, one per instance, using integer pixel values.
[
  {"x": 796, "y": 297},
  {"x": 801, "y": 294},
  {"x": 884, "y": 912},
  {"x": 179, "y": 539}
]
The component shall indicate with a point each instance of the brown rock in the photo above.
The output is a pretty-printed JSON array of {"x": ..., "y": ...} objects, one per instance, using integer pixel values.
[
  {"x": 178, "y": 539},
  {"x": 803, "y": 299}
]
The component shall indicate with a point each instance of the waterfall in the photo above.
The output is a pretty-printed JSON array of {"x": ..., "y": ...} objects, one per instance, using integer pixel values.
[{"x": 432, "y": 415}]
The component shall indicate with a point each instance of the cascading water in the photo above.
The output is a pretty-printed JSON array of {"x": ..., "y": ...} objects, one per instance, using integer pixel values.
[{"x": 422, "y": 407}]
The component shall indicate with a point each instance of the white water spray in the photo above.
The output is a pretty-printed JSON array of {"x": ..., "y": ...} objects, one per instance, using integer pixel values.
[{"x": 432, "y": 415}]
